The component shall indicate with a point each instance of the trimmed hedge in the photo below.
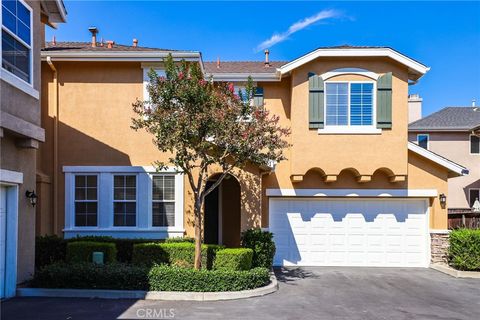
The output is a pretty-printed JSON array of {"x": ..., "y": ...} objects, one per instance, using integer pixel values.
[
  {"x": 464, "y": 249},
  {"x": 81, "y": 251},
  {"x": 117, "y": 276},
  {"x": 168, "y": 278},
  {"x": 233, "y": 259},
  {"x": 261, "y": 242},
  {"x": 179, "y": 239},
  {"x": 49, "y": 249},
  {"x": 179, "y": 254}
]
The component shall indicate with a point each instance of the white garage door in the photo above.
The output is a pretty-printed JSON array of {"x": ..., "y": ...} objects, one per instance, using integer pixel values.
[{"x": 350, "y": 232}]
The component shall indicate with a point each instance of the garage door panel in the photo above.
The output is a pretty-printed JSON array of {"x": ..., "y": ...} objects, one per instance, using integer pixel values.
[{"x": 346, "y": 232}]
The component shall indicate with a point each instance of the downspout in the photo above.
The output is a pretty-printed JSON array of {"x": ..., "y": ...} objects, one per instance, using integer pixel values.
[{"x": 55, "y": 144}]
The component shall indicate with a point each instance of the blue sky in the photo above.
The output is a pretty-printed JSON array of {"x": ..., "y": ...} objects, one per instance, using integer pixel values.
[{"x": 443, "y": 35}]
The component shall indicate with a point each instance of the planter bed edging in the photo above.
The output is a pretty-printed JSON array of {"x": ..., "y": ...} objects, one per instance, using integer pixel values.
[
  {"x": 149, "y": 295},
  {"x": 453, "y": 272}
]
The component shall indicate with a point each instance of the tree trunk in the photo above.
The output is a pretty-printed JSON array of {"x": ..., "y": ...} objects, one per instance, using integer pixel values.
[{"x": 198, "y": 234}]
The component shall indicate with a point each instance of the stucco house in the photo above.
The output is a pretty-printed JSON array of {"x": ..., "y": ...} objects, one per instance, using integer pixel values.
[
  {"x": 454, "y": 132},
  {"x": 23, "y": 24},
  {"x": 353, "y": 192}
]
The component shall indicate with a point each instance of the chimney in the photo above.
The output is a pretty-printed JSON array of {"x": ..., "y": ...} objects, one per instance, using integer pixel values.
[
  {"x": 218, "y": 62},
  {"x": 93, "y": 31},
  {"x": 267, "y": 61},
  {"x": 135, "y": 43},
  {"x": 110, "y": 44},
  {"x": 54, "y": 41},
  {"x": 414, "y": 107},
  {"x": 474, "y": 102}
]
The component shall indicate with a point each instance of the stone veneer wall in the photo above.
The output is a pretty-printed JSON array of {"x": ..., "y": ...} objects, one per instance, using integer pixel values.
[{"x": 439, "y": 247}]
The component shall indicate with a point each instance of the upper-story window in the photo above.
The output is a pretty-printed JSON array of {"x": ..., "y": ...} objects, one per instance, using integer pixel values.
[
  {"x": 17, "y": 38},
  {"x": 422, "y": 140},
  {"x": 474, "y": 144},
  {"x": 349, "y": 104}
]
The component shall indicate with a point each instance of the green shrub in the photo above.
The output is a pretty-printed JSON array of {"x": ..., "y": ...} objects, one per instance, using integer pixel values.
[
  {"x": 124, "y": 246},
  {"x": 179, "y": 239},
  {"x": 261, "y": 242},
  {"x": 233, "y": 259},
  {"x": 464, "y": 249},
  {"x": 49, "y": 249},
  {"x": 180, "y": 254},
  {"x": 91, "y": 276},
  {"x": 81, "y": 251},
  {"x": 171, "y": 278}
]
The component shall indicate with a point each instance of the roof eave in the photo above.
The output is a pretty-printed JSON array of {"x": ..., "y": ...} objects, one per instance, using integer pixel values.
[
  {"x": 237, "y": 77},
  {"x": 454, "y": 168},
  {"x": 119, "y": 55},
  {"x": 416, "y": 69},
  {"x": 55, "y": 16},
  {"x": 440, "y": 129}
]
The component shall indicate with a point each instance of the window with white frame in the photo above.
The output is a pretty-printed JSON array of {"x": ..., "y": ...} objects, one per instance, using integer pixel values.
[
  {"x": 16, "y": 38},
  {"x": 124, "y": 200},
  {"x": 474, "y": 144},
  {"x": 349, "y": 104},
  {"x": 473, "y": 194},
  {"x": 163, "y": 200},
  {"x": 422, "y": 140},
  {"x": 86, "y": 200}
]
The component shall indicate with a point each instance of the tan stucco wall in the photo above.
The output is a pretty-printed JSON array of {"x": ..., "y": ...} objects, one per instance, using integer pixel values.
[
  {"x": 424, "y": 174},
  {"x": 456, "y": 147},
  {"x": 14, "y": 101},
  {"x": 95, "y": 115}
]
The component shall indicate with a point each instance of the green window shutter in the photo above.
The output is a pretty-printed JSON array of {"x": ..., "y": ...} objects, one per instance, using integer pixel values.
[
  {"x": 258, "y": 97},
  {"x": 315, "y": 102},
  {"x": 384, "y": 101}
]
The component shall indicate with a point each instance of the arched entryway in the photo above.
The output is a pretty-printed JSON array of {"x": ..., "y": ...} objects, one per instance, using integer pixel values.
[{"x": 222, "y": 213}]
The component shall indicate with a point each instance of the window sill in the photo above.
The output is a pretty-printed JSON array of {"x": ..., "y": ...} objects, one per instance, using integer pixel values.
[
  {"x": 350, "y": 130},
  {"x": 18, "y": 83},
  {"x": 123, "y": 229}
]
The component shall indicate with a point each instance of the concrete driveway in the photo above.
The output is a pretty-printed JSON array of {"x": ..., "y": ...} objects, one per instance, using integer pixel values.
[{"x": 305, "y": 293}]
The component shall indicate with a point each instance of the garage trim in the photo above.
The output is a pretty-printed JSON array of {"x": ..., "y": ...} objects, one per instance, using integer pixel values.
[{"x": 387, "y": 193}]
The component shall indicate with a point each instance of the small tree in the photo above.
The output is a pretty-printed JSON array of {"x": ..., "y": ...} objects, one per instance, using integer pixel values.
[{"x": 203, "y": 124}]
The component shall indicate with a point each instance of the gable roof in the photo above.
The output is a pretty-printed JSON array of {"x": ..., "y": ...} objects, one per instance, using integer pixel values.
[
  {"x": 416, "y": 69},
  {"x": 453, "y": 167},
  {"x": 242, "y": 66},
  {"x": 449, "y": 119}
]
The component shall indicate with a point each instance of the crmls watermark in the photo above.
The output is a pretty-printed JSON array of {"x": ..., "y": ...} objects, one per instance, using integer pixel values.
[{"x": 155, "y": 313}]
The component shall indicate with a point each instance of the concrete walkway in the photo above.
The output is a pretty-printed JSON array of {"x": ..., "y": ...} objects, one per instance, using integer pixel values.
[{"x": 305, "y": 293}]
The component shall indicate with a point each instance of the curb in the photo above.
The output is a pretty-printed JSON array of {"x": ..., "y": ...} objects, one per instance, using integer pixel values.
[
  {"x": 149, "y": 295},
  {"x": 454, "y": 273}
]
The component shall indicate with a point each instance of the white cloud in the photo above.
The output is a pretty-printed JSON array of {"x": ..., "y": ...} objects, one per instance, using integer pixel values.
[{"x": 297, "y": 26}]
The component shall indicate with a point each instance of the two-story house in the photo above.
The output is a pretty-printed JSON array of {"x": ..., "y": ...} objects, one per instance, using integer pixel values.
[
  {"x": 22, "y": 27},
  {"x": 353, "y": 191},
  {"x": 454, "y": 132}
]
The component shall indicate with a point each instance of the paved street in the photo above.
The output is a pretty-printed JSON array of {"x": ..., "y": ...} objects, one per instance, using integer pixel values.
[{"x": 305, "y": 293}]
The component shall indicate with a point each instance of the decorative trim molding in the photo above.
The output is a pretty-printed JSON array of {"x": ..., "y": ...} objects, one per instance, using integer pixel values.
[
  {"x": 452, "y": 166},
  {"x": 21, "y": 126},
  {"x": 19, "y": 84},
  {"x": 380, "y": 193},
  {"x": 11, "y": 176}
]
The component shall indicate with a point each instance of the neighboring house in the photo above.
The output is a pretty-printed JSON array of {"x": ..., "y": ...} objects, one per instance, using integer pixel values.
[
  {"x": 353, "y": 191},
  {"x": 454, "y": 133},
  {"x": 20, "y": 132}
]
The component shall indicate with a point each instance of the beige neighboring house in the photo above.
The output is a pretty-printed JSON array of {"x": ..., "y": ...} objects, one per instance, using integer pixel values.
[
  {"x": 353, "y": 192},
  {"x": 454, "y": 133},
  {"x": 21, "y": 132}
]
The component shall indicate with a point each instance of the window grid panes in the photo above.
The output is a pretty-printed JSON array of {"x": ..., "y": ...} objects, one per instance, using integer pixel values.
[
  {"x": 349, "y": 104},
  {"x": 337, "y": 104},
  {"x": 86, "y": 200},
  {"x": 124, "y": 200},
  {"x": 16, "y": 38},
  {"x": 163, "y": 200},
  {"x": 361, "y": 104}
]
